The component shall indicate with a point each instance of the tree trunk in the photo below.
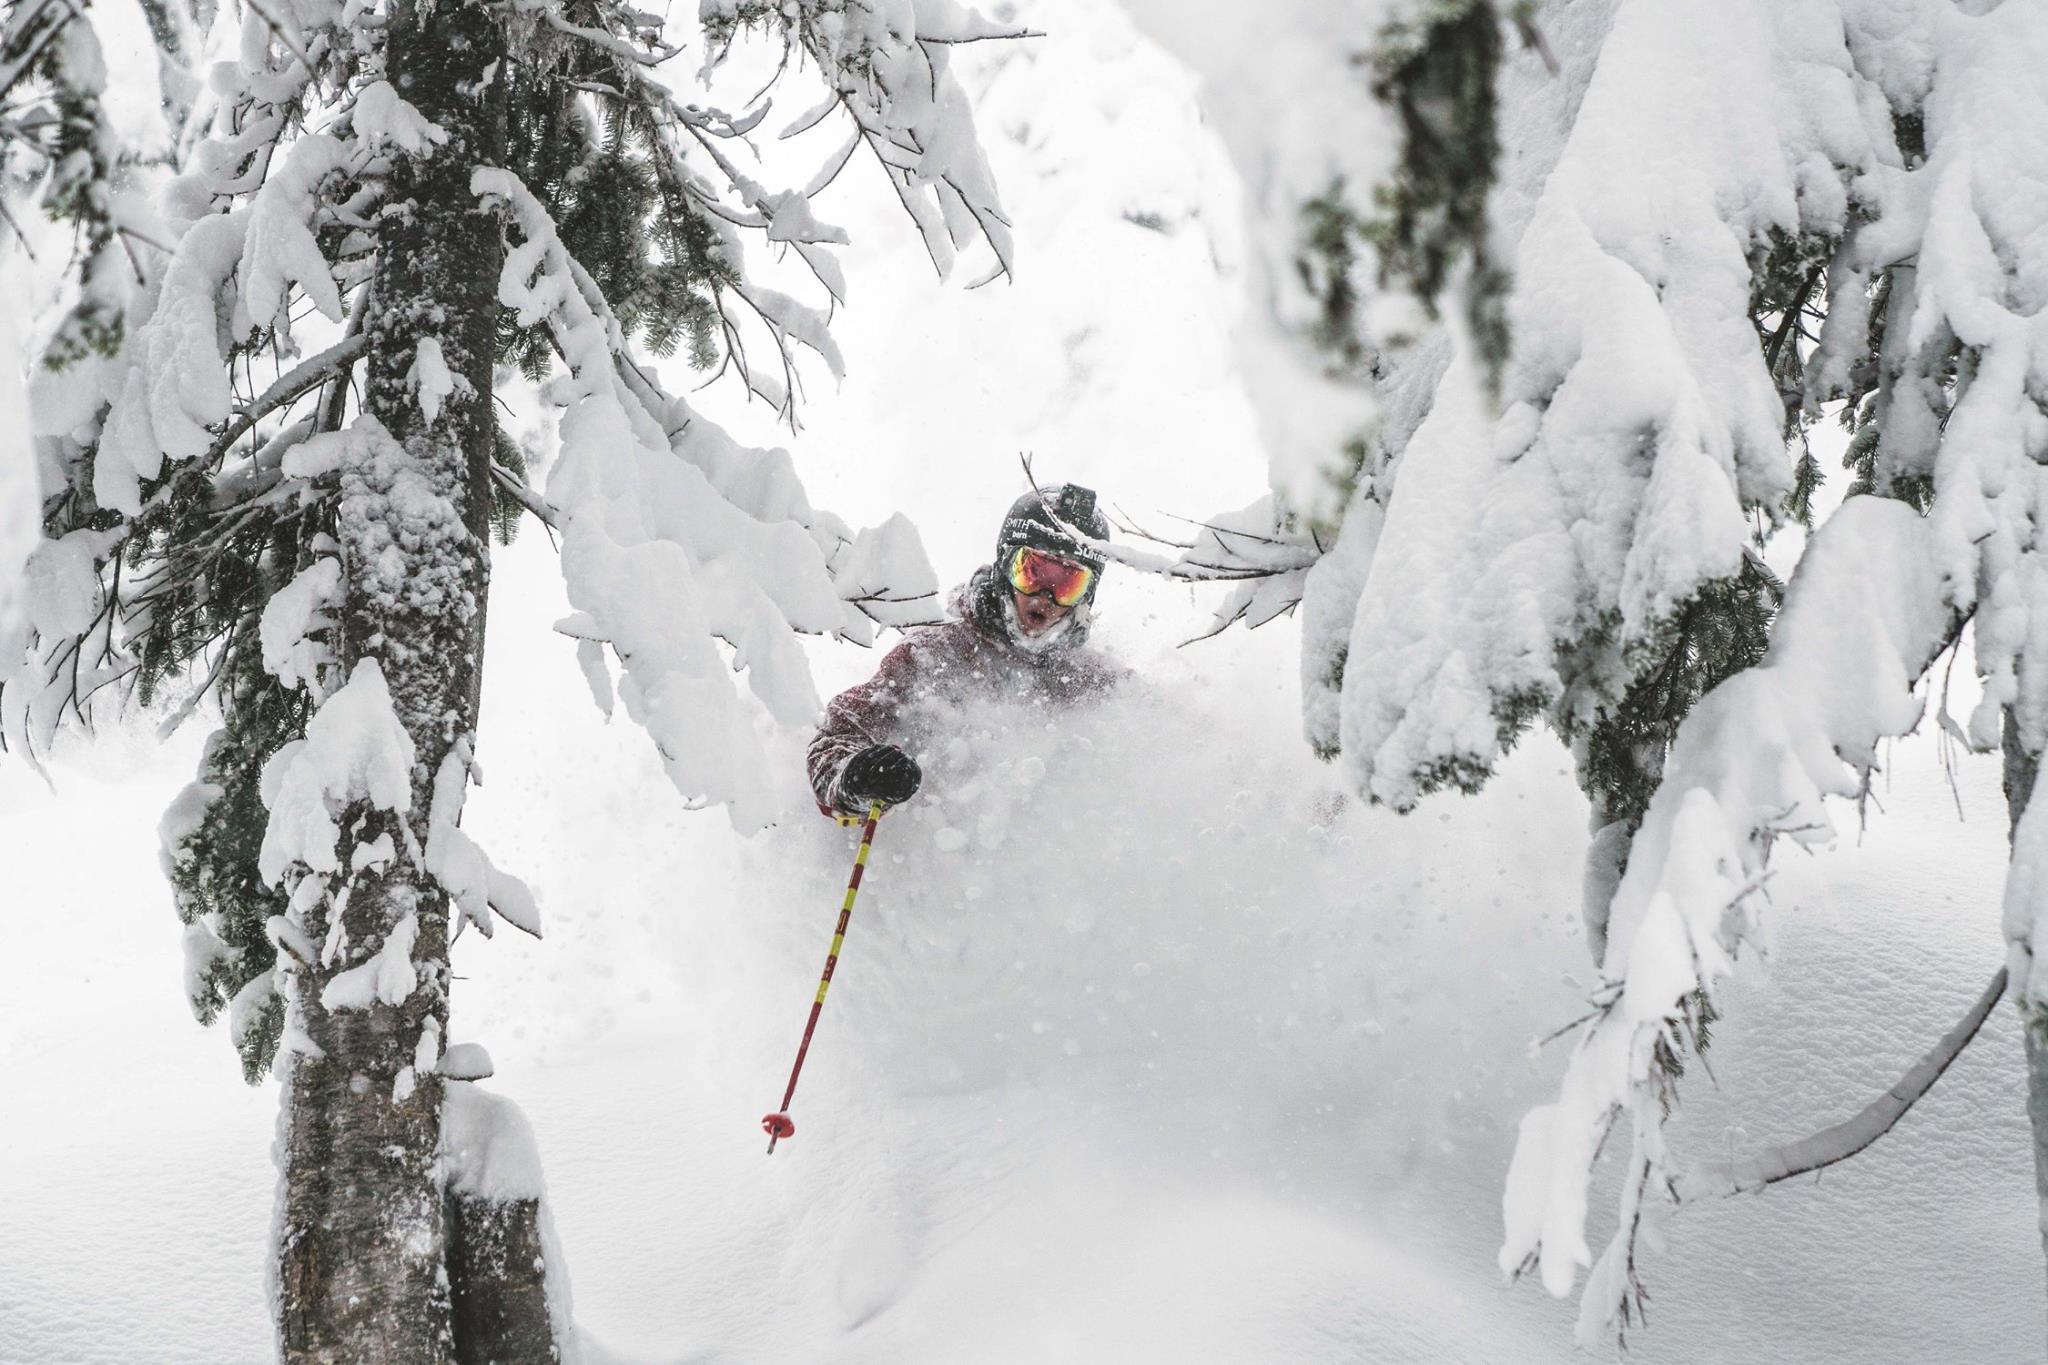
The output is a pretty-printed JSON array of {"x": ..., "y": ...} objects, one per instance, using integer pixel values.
[
  {"x": 2021, "y": 767},
  {"x": 511, "y": 1298},
  {"x": 2037, "y": 1114},
  {"x": 496, "y": 1264},
  {"x": 362, "y": 1272}
]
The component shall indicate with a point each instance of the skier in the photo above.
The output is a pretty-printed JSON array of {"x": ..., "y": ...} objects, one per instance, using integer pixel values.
[{"x": 1018, "y": 631}]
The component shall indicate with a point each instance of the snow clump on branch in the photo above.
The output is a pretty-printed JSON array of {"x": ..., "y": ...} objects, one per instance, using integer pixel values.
[
  {"x": 670, "y": 546},
  {"x": 355, "y": 749}
]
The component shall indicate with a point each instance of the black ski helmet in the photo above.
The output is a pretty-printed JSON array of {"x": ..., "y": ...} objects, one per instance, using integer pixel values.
[{"x": 1034, "y": 522}]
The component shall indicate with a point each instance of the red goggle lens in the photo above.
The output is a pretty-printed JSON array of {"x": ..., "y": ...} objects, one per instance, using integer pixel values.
[{"x": 1033, "y": 572}]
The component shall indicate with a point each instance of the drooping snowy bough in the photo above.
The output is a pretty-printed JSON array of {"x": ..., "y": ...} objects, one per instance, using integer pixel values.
[
  {"x": 1753, "y": 762},
  {"x": 1717, "y": 220},
  {"x": 1945, "y": 240},
  {"x": 271, "y": 481}
]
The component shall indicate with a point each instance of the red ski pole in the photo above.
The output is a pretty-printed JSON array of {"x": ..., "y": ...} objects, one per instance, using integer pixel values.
[{"x": 778, "y": 1125}]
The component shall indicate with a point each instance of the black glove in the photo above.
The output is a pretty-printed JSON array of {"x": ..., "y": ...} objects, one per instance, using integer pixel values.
[{"x": 880, "y": 772}]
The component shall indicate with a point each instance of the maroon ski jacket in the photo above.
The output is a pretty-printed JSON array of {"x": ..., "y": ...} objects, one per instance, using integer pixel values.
[{"x": 972, "y": 656}]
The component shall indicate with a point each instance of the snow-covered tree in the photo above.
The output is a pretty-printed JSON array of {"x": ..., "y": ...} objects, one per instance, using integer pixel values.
[
  {"x": 1934, "y": 298},
  {"x": 64, "y": 218},
  {"x": 1461, "y": 197},
  {"x": 271, "y": 468},
  {"x": 1714, "y": 226}
]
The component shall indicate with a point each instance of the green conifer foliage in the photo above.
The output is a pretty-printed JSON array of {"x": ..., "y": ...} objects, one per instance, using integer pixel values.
[
  {"x": 1726, "y": 626},
  {"x": 207, "y": 570},
  {"x": 1326, "y": 265},
  {"x": 1436, "y": 69},
  {"x": 213, "y": 869},
  {"x": 506, "y": 509},
  {"x": 52, "y": 127},
  {"x": 1788, "y": 282},
  {"x": 620, "y": 208},
  {"x": 1872, "y": 464},
  {"x": 1724, "y": 629}
]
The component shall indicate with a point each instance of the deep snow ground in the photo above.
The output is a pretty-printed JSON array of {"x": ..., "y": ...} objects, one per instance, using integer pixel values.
[
  {"x": 1194, "y": 1093},
  {"x": 1145, "y": 1051}
]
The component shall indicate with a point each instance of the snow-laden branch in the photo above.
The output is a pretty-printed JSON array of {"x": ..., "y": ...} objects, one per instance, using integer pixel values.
[
  {"x": 1265, "y": 563},
  {"x": 890, "y": 69},
  {"x": 890, "y": 78},
  {"x": 1880, "y": 592},
  {"x": 355, "y": 750},
  {"x": 1754, "y": 762},
  {"x": 1637, "y": 427},
  {"x": 288, "y": 388},
  {"x": 524, "y": 495},
  {"x": 174, "y": 393},
  {"x": 674, "y": 129},
  {"x": 28, "y": 32},
  {"x": 649, "y": 55},
  {"x": 678, "y": 545},
  {"x": 476, "y": 885},
  {"x": 1843, "y": 1140}
]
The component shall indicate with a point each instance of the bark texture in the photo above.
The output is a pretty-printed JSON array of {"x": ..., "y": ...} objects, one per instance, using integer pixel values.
[
  {"x": 2021, "y": 768},
  {"x": 361, "y": 1272},
  {"x": 2037, "y": 1114},
  {"x": 497, "y": 1265}
]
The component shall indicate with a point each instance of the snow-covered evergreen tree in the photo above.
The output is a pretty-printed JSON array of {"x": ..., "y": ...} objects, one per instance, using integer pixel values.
[
  {"x": 270, "y": 470},
  {"x": 1715, "y": 223},
  {"x": 65, "y": 223},
  {"x": 1373, "y": 265}
]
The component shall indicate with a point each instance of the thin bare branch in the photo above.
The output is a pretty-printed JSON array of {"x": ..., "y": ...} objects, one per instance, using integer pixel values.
[
  {"x": 1852, "y": 1135},
  {"x": 288, "y": 388},
  {"x": 524, "y": 495}
]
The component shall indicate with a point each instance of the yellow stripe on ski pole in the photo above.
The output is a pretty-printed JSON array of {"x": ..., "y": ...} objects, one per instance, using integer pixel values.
[
  {"x": 860, "y": 862},
  {"x": 825, "y": 983}
]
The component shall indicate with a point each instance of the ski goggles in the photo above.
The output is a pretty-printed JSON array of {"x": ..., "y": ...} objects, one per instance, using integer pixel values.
[{"x": 1033, "y": 572}]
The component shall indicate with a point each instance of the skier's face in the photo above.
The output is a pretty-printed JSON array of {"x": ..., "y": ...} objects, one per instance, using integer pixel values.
[{"x": 1036, "y": 615}]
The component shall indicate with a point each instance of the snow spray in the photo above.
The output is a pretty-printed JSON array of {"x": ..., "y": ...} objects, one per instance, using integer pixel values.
[{"x": 778, "y": 1125}]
